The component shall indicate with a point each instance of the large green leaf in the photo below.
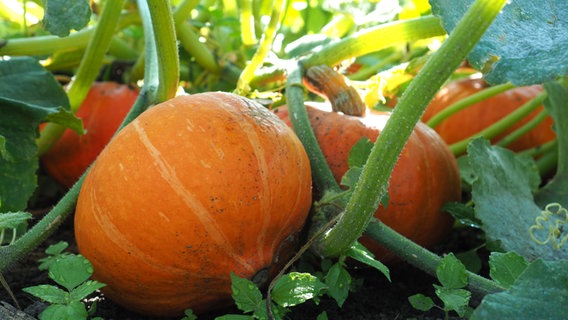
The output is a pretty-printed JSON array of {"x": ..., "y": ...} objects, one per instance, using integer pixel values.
[
  {"x": 540, "y": 292},
  {"x": 526, "y": 44},
  {"x": 62, "y": 16},
  {"x": 504, "y": 202},
  {"x": 557, "y": 105},
  {"x": 29, "y": 95}
]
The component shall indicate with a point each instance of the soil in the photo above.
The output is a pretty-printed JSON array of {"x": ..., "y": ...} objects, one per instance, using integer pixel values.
[{"x": 376, "y": 298}]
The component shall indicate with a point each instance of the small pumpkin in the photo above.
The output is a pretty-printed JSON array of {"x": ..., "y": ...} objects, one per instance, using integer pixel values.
[
  {"x": 425, "y": 176},
  {"x": 479, "y": 116},
  {"x": 195, "y": 188},
  {"x": 102, "y": 112}
]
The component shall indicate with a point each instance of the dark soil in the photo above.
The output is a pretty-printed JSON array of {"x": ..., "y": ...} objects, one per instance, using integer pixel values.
[{"x": 376, "y": 298}]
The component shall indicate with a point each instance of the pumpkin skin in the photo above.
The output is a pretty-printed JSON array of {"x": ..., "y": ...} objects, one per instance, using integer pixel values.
[
  {"x": 193, "y": 189},
  {"x": 425, "y": 176},
  {"x": 479, "y": 116},
  {"x": 102, "y": 112}
]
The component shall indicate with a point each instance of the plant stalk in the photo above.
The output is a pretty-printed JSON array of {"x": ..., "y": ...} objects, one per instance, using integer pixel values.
[{"x": 373, "y": 183}]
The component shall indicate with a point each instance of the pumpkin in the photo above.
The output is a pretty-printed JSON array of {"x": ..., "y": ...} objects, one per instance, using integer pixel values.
[
  {"x": 102, "y": 112},
  {"x": 479, "y": 116},
  {"x": 425, "y": 176},
  {"x": 195, "y": 188}
]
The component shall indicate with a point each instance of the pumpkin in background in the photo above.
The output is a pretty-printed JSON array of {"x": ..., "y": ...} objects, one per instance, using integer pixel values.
[
  {"x": 102, "y": 112},
  {"x": 195, "y": 188},
  {"x": 425, "y": 176},
  {"x": 474, "y": 118}
]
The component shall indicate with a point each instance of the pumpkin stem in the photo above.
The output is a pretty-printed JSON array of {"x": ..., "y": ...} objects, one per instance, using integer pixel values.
[{"x": 333, "y": 86}]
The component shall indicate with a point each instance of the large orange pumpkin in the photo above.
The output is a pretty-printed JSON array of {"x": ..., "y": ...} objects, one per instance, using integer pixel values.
[
  {"x": 195, "y": 188},
  {"x": 425, "y": 176},
  {"x": 479, "y": 116},
  {"x": 102, "y": 112}
]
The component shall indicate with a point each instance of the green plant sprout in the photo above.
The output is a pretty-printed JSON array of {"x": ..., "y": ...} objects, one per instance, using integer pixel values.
[
  {"x": 551, "y": 222},
  {"x": 71, "y": 272},
  {"x": 452, "y": 275}
]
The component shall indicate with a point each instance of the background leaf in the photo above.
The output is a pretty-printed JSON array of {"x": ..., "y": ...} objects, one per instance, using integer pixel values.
[
  {"x": 540, "y": 292},
  {"x": 245, "y": 293},
  {"x": 504, "y": 202},
  {"x": 524, "y": 30},
  {"x": 62, "y": 16},
  {"x": 29, "y": 95}
]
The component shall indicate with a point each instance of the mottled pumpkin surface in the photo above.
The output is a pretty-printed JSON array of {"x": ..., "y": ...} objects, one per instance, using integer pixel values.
[
  {"x": 425, "y": 176},
  {"x": 195, "y": 188}
]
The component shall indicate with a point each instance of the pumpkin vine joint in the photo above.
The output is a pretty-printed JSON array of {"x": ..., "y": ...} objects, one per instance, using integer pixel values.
[{"x": 550, "y": 223}]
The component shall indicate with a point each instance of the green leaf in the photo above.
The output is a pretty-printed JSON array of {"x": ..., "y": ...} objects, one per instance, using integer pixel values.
[
  {"x": 29, "y": 95},
  {"x": 295, "y": 288},
  {"x": 48, "y": 293},
  {"x": 505, "y": 268},
  {"x": 463, "y": 213},
  {"x": 454, "y": 299},
  {"x": 85, "y": 289},
  {"x": 11, "y": 220},
  {"x": 359, "y": 153},
  {"x": 189, "y": 315},
  {"x": 338, "y": 281},
  {"x": 322, "y": 316},
  {"x": 540, "y": 292},
  {"x": 73, "y": 311},
  {"x": 421, "y": 302},
  {"x": 62, "y": 16},
  {"x": 362, "y": 254},
  {"x": 70, "y": 270},
  {"x": 451, "y": 272},
  {"x": 503, "y": 200},
  {"x": 56, "y": 248},
  {"x": 245, "y": 293},
  {"x": 525, "y": 29},
  {"x": 470, "y": 260},
  {"x": 234, "y": 317},
  {"x": 556, "y": 190}
]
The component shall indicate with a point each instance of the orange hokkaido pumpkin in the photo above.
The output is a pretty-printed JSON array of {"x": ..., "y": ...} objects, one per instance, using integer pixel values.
[
  {"x": 195, "y": 188},
  {"x": 479, "y": 116},
  {"x": 425, "y": 177},
  {"x": 102, "y": 112}
]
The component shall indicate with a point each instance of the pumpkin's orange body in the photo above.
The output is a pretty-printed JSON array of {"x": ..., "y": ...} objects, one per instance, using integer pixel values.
[
  {"x": 195, "y": 188},
  {"x": 481, "y": 115},
  {"x": 102, "y": 112},
  {"x": 424, "y": 179}
]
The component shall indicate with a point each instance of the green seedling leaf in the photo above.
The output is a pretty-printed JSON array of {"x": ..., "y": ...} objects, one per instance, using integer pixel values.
[
  {"x": 362, "y": 254},
  {"x": 505, "y": 268},
  {"x": 338, "y": 282},
  {"x": 454, "y": 299},
  {"x": 322, "y": 316},
  {"x": 70, "y": 270},
  {"x": 525, "y": 29},
  {"x": 11, "y": 220},
  {"x": 53, "y": 251},
  {"x": 29, "y": 95},
  {"x": 359, "y": 153},
  {"x": 540, "y": 292},
  {"x": 421, "y": 302},
  {"x": 48, "y": 293},
  {"x": 246, "y": 294},
  {"x": 85, "y": 289},
  {"x": 72, "y": 311},
  {"x": 62, "y": 16},
  {"x": 451, "y": 272},
  {"x": 189, "y": 315},
  {"x": 556, "y": 190},
  {"x": 295, "y": 288},
  {"x": 504, "y": 202},
  {"x": 235, "y": 317}
]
